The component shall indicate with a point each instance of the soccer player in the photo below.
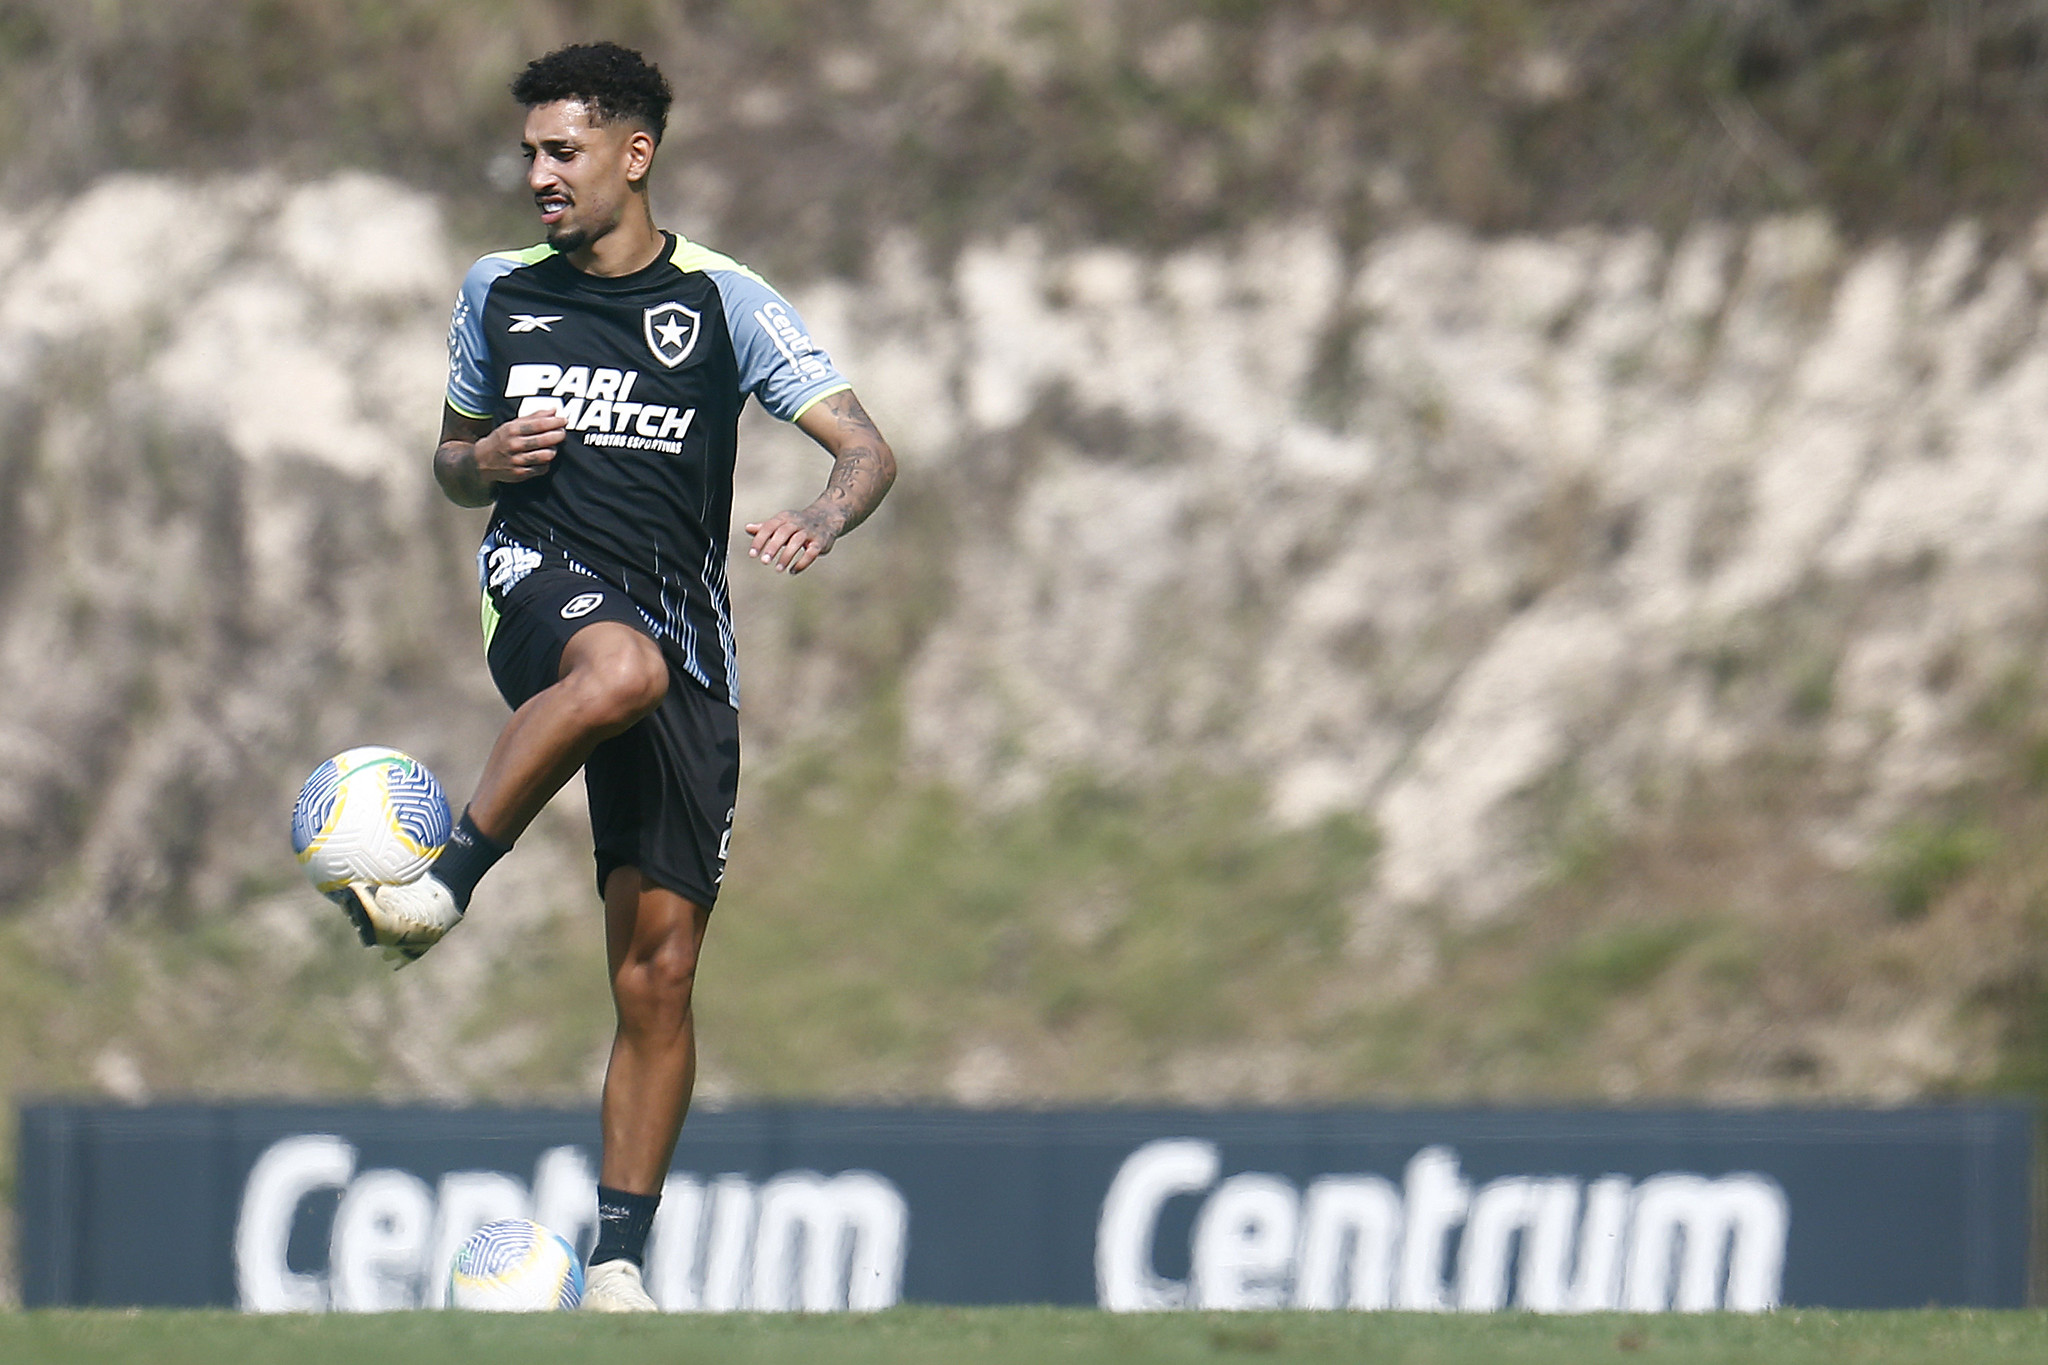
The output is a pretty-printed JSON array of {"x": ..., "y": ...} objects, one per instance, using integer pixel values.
[{"x": 594, "y": 395}]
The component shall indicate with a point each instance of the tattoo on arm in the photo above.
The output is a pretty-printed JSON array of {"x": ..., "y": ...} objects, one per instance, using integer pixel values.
[
  {"x": 848, "y": 410},
  {"x": 863, "y": 466},
  {"x": 455, "y": 459}
]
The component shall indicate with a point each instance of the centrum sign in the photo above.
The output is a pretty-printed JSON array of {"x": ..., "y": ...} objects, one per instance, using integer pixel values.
[
  {"x": 797, "y": 1241},
  {"x": 1552, "y": 1244},
  {"x": 277, "y": 1208}
]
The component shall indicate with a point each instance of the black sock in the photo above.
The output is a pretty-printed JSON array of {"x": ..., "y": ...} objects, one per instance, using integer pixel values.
[
  {"x": 623, "y": 1221},
  {"x": 464, "y": 859}
]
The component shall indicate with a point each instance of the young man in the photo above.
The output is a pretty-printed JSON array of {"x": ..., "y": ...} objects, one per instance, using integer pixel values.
[{"x": 594, "y": 395}]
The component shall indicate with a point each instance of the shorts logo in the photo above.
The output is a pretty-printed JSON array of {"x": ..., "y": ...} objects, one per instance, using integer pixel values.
[
  {"x": 724, "y": 847},
  {"x": 582, "y": 604},
  {"x": 507, "y": 564},
  {"x": 671, "y": 331}
]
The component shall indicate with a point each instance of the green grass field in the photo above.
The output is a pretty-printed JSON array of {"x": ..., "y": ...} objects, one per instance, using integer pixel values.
[{"x": 998, "y": 1336}]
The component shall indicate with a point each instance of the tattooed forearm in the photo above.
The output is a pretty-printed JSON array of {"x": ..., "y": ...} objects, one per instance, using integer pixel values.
[
  {"x": 861, "y": 476},
  {"x": 863, "y": 466},
  {"x": 455, "y": 459}
]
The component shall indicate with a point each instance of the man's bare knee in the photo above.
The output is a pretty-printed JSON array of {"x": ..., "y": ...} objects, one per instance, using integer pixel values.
[
  {"x": 669, "y": 963},
  {"x": 617, "y": 678},
  {"x": 654, "y": 987},
  {"x": 632, "y": 681}
]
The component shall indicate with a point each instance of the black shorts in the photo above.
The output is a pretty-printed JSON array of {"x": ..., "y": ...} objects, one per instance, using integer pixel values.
[{"x": 662, "y": 794}]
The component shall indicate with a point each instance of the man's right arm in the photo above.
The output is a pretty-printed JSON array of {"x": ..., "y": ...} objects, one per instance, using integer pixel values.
[{"x": 474, "y": 455}]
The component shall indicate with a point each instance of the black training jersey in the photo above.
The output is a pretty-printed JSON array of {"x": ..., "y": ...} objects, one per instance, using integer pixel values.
[{"x": 651, "y": 370}]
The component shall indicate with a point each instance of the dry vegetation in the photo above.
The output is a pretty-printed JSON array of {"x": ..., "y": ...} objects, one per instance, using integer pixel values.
[{"x": 1153, "y": 123}]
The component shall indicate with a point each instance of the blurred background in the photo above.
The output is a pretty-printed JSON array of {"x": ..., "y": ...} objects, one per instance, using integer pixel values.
[{"x": 1445, "y": 551}]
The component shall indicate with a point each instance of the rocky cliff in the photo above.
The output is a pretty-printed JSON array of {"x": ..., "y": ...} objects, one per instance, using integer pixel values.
[{"x": 1665, "y": 613}]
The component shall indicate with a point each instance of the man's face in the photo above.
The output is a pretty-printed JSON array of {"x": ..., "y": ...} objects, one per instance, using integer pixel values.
[{"x": 581, "y": 171}]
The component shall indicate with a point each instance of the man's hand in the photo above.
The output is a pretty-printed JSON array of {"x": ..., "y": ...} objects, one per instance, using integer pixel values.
[
  {"x": 522, "y": 448},
  {"x": 863, "y": 467},
  {"x": 474, "y": 455},
  {"x": 793, "y": 541}
]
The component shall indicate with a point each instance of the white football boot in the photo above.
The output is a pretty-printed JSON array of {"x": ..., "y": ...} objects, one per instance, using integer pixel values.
[
  {"x": 403, "y": 920},
  {"x": 615, "y": 1287}
]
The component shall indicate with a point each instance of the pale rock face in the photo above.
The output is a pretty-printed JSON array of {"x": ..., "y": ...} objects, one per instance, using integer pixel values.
[
  {"x": 224, "y": 557},
  {"x": 1339, "y": 591},
  {"x": 1404, "y": 532}
]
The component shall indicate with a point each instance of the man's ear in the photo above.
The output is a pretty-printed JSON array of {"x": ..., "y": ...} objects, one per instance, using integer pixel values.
[{"x": 639, "y": 155}]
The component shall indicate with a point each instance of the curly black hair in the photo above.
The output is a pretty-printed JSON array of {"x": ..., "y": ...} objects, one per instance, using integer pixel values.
[{"x": 615, "y": 82}]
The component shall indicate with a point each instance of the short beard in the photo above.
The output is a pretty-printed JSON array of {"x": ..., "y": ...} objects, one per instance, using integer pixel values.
[{"x": 568, "y": 240}]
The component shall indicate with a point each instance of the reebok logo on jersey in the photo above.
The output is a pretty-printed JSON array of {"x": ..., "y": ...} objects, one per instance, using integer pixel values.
[
  {"x": 582, "y": 604},
  {"x": 528, "y": 322},
  {"x": 671, "y": 331}
]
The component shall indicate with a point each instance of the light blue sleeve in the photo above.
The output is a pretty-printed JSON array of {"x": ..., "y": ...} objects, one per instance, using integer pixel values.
[
  {"x": 779, "y": 362},
  {"x": 469, "y": 361}
]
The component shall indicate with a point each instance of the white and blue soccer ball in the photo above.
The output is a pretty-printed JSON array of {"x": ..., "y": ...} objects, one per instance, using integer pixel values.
[
  {"x": 369, "y": 814},
  {"x": 515, "y": 1266}
]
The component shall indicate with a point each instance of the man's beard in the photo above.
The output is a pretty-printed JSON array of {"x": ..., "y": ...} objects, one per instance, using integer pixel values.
[{"x": 568, "y": 240}]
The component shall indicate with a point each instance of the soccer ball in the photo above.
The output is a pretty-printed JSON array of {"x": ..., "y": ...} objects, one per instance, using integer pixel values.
[
  {"x": 368, "y": 815},
  {"x": 515, "y": 1266}
]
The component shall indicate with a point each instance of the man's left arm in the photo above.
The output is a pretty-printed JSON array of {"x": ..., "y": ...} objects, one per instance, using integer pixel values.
[{"x": 863, "y": 467}]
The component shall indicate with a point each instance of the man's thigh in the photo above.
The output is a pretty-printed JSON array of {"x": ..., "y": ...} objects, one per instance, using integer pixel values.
[
  {"x": 538, "y": 617},
  {"x": 662, "y": 795}
]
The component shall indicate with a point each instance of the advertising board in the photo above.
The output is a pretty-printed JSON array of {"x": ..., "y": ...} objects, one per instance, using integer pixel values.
[{"x": 314, "y": 1208}]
